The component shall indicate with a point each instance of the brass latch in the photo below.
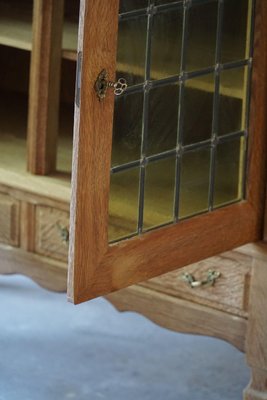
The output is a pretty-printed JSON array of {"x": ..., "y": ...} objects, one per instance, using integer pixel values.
[{"x": 102, "y": 84}]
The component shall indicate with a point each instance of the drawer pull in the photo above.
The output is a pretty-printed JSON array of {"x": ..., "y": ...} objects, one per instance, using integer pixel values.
[
  {"x": 64, "y": 233},
  {"x": 210, "y": 280}
]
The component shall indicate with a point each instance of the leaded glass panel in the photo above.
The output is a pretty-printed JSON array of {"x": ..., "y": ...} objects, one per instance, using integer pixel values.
[{"x": 181, "y": 127}]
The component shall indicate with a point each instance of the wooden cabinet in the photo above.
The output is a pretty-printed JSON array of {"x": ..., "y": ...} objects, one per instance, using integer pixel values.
[{"x": 167, "y": 177}]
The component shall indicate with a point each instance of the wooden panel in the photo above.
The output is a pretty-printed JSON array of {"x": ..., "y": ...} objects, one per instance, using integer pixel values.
[
  {"x": 48, "y": 273},
  {"x": 99, "y": 268},
  {"x": 44, "y": 86},
  {"x": 9, "y": 220},
  {"x": 52, "y": 227},
  {"x": 180, "y": 315},
  {"x": 229, "y": 293}
]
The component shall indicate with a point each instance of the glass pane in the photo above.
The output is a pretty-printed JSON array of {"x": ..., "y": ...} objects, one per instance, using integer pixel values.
[
  {"x": 159, "y": 193},
  {"x": 160, "y": 2},
  {"x": 202, "y": 29},
  {"x": 162, "y": 118},
  {"x": 123, "y": 204},
  {"x": 232, "y": 104},
  {"x": 235, "y": 30},
  {"x": 174, "y": 105},
  {"x": 131, "y": 52},
  {"x": 127, "y": 128},
  {"x": 198, "y": 109},
  {"x": 229, "y": 171},
  {"x": 130, "y": 5},
  {"x": 194, "y": 182},
  {"x": 166, "y": 44}
]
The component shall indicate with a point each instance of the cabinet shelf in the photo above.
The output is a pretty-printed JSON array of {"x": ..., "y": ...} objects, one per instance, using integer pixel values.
[
  {"x": 16, "y": 31},
  {"x": 13, "y": 147}
]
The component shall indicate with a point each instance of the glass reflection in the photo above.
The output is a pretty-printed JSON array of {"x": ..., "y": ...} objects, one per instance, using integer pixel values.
[
  {"x": 198, "y": 109},
  {"x": 232, "y": 102},
  {"x": 194, "y": 182},
  {"x": 162, "y": 118},
  {"x": 166, "y": 44},
  {"x": 159, "y": 193},
  {"x": 201, "y": 42},
  {"x": 229, "y": 171},
  {"x": 131, "y": 53},
  {"x": 130, "y": 5},
  {"x": 235, "y": 30},
  {"x": 127, "y": 128},
  {"x": 123, "y": 204}
]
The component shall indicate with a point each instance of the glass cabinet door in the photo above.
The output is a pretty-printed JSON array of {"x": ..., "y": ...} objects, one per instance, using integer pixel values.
[{"x": 165, "y": 144}]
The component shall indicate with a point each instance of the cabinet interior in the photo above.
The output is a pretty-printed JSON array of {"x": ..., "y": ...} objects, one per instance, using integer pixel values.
[{"x": 16, "y": 43}]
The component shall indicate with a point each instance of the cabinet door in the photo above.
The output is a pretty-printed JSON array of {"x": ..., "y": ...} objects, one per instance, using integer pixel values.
[{"x": 172, "y": 171}]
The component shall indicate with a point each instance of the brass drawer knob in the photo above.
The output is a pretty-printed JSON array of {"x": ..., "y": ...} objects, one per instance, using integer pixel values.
[
  {"x": 102, "y": 84},
  {"x": 64, "y": 233},
  {"x": 210, "y": 279}
]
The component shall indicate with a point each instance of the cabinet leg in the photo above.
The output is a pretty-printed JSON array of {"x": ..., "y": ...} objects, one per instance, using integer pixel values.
[
  {"x": 257, "y": 388},
  {"x": 256, "y": 339}
]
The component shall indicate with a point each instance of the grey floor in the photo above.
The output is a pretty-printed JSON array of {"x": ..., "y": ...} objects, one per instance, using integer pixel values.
[{"x": 51, "y": 350}]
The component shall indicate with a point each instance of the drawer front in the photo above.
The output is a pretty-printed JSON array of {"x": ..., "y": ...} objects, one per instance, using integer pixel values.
[
  {"x": 9, "y": 220},
  {"x": 52, "y": 227},
  {"x": 229, "y": 292}
]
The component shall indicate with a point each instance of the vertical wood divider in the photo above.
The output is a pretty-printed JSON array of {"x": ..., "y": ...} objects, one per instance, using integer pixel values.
[{"x": 44, "y": 91}]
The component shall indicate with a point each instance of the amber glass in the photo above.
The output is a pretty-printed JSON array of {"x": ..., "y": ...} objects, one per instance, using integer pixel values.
[
  {"x": 198, "y": 109},
  {"x": 178, "y": 147},
  {"x": 201, "y": 42},
  {"x": 123, "y": 204},
  {"x": 127, "y": 128},
  {"x": 229, "y": 169},
  {"x": 166, "y": 44},
  {"x": 194, "y": 182},
  {"x": 235, "y": 30},
  {"x": 232, "y": 102},
  {"x": 162, "y": 118},
  {"x": 131, "y": 53},
  {"x": 131, "y": 5},
  {"x": 159, "y": 193}
]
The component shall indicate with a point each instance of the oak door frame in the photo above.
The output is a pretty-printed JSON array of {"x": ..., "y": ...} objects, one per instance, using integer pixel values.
[{"x": 96, "y": 267}]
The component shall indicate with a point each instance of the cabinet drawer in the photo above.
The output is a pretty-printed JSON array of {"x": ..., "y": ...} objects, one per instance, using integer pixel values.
[
  {"x": 229, "y": 292},
  {"x": 52, "y": 229},
  {"x": 9, "y": 220}
]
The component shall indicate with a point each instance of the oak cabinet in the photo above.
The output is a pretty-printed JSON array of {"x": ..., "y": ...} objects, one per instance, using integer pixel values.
[{"x": 167, "y": 100}]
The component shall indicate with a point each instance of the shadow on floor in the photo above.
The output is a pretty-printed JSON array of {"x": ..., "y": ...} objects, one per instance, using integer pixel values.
[{"x": 52, "y": 350}]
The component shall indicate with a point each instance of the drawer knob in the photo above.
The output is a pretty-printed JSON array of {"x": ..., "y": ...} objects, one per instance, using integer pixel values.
[
  {"x": 210, "y": 279},
  {"x": 64, "y": 233}
]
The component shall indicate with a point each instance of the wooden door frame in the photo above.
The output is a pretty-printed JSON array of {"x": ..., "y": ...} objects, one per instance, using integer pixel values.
[{"x": 96, "y": 267}]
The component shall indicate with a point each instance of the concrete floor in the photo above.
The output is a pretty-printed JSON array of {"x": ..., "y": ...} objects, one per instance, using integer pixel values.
[{"x": 51, "y": 350}]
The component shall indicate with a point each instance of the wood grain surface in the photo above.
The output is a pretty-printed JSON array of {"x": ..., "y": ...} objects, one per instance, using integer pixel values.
[
  {"x": 50, "y": 225},
  {"x": 181, "y": 315},
  {"x": 45, "y": 86},
  {"x": 9, "y": 220}
]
